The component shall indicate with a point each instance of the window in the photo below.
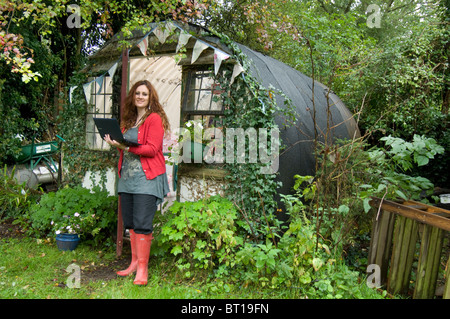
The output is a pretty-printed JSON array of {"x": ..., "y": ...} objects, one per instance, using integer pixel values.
[
  {"x": 202, "y": 93},
  {"x": 100, "y": 106},
  {"x": 202, "y": 101},
  {"x": 202, "y": 97}
]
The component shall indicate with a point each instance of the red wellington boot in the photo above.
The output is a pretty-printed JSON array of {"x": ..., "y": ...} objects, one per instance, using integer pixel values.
[
  {"x": 133, "y": 265},
  {"x": 143, "y": 244}
]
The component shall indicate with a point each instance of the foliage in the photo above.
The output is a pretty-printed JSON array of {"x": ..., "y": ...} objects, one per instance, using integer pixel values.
[
  {"x": 337, "y": 198},
  {"x": 201, "y": 234},
  {"x": 206, "y": 235},
  {"x": 72, "y": 121},
  {"x": 252, "y": 186},
  {"x": 194, "y": 129},
  {"x": 420, "y": 151},
  {"x": 15, "y": 198},
  {"x": 96, "y": 210},
  {"x": 393, "y": 77},
  {"x": 28, "y": 109},
  {"x": 77, "y": 224}
]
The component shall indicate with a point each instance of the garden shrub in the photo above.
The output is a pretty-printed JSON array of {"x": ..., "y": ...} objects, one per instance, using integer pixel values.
[
  {"x": 206, "y": 235},
  {"x": 15, "y": 198},
  {"x": 200, "y": 234},
  {"x": 54, "y": 207}
]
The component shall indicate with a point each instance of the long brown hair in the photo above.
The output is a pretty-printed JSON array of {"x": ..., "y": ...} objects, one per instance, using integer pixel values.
[{"x": 129, "y": 115}]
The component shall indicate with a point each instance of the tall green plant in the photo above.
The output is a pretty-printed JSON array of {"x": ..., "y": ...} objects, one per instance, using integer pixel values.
[
  {"x": 201, "y": 234},
  {"x": 15, "y": 198},
  {"x": 54, "y": 208}
]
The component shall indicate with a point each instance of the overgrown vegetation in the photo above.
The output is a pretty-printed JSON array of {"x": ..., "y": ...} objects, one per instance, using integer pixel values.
[{"x": 394, "y": 79}]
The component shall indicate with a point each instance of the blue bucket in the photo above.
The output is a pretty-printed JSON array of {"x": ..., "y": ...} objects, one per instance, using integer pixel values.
[{"x": 67, "y": 241}]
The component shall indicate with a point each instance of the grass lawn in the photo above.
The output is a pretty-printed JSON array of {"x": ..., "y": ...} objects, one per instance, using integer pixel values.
[{"x": 36, "y": 269}]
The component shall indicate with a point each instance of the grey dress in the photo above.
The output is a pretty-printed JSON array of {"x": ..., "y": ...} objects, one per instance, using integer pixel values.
[{"x": 133, "y": 179}]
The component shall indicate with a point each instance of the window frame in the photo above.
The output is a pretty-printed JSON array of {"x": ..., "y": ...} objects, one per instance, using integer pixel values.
[
  {"x": 94, "y": 141},
  {"x": 189, "y": 74}
]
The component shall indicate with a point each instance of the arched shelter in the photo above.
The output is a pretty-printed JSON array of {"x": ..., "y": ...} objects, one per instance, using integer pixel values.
[{"x": 184, "y": 84}]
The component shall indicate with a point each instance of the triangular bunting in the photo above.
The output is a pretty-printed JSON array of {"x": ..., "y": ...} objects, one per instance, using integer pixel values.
[
  {"x": 218, "y": 57},
  {"x": 163, "y": 31},
  {"x": 112, "y": 70},
  {"x": 99, "y": 81},
  {"x": 143, "y": 45},
  {"x": 87, "y": 90},
  {"x": 198, "y": 49},
  {"x": 238, "y": 69},
  {"x": 182, "y": 40},
  {"x": 71, "y": 92}
]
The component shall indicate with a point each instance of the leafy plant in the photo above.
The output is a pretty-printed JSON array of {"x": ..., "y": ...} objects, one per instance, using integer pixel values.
[
  {"x": 420, "y": 151},
  {"x": 96, "y": 211},
  {"x": 200, "y": 234},
  {"x": 77, "y": 224},
  {"x": 391, "y": 165},
  {"x": 15, "y": 198}
]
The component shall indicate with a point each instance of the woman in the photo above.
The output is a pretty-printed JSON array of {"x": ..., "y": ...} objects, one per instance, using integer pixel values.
[{"x": 142, "y": 172}]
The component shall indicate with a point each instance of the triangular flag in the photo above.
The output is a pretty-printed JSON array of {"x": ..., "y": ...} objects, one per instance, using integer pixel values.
[
  {"x": 163, "y": 31},
  {"x": 87, "y": 91},
  {"x": 198, "y": 49},
  {"x": 182, "y": 40},
  {"x": 238, "y": 69},
  {"x": 112, "y": 70},
  {"x": 143, "y": 45},
  {"x": 71, "y": 91},
  {"x": 99, "y": 81},
  {"x": 218, "y": 57}
]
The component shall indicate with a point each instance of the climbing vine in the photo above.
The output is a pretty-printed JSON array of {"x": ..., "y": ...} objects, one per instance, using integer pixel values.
[
  {"x": 247, "y": 104},
  {"x": 78, "y": 158}
]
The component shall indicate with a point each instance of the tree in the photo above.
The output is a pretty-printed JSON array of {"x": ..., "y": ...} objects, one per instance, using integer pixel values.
[{"x": 63, "y": 33}]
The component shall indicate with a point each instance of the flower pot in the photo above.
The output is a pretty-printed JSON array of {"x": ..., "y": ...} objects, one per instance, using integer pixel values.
[{"x": 67, "y": 241}]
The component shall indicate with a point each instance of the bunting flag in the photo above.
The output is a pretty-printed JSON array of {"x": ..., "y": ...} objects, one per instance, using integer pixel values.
[
  {"x": 198, "y": 49},
  {"x": 218, "y": 57},
  {"x": 99, "y": 81},
  {"x": 238, "y": 69},
  {"x": 182, "y": 40},
  {"x": 87, "y": 91},
  {"x": 163, "y": 31},
  {"x": 112, "y": 70},
  {"x": 143, "y": 45},
  {"x": 71, "y": 92}
]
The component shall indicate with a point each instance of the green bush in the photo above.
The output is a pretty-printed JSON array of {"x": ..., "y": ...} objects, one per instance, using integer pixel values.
[
  {"x": 200, "y": 234},
  {"x": 54, "y": 208},
  {"x": 15, "y": 198},
  {"x": 205, "y": 235}
]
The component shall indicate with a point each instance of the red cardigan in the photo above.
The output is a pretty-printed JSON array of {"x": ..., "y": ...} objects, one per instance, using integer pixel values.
[{"x": 150, "y": 135}]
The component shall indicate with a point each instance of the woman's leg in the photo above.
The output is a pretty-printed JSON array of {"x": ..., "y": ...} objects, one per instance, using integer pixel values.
[
  {"x": 143, "y": 213},
  {"x": 126, "y": 202},
  {"x": 144, "y": 209}
]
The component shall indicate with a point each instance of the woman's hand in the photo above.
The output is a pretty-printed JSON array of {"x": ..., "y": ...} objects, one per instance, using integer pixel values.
[{"x": 114, "y": 143}]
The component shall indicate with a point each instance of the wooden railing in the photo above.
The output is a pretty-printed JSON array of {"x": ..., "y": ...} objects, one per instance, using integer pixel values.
[{"x": 397, "y": 227}]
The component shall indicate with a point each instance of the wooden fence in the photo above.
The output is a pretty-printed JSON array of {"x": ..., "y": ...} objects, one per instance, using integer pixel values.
[{"x": 398, "y": 228}]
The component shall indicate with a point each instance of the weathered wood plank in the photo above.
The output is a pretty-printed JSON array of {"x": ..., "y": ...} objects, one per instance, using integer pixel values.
[
  {"x": 428, "y": 266},
  {"x": 381, "y": 242},
  {"x": 413, "y": 213},
  {"x": 446, "y": 294},
  {"x": 405, "y": 237}
]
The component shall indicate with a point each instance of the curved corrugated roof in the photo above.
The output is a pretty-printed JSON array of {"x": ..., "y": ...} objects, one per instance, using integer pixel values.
[{"x": 298, "y": 140}]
